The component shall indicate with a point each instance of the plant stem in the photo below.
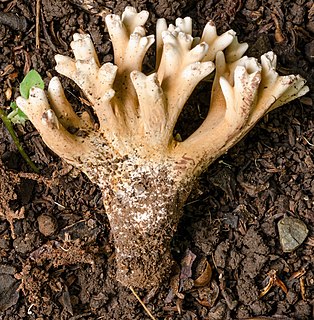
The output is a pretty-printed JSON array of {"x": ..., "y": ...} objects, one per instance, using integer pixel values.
[{"x": 9, "y": 126}]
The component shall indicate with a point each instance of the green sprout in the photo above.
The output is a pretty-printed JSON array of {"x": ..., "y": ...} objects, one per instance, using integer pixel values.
[
  {"x": 16, "y": 116},
  {"x": 32, "y": 79}
]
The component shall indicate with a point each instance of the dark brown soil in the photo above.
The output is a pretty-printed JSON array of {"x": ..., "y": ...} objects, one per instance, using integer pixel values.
[{"x": 57, "y": 257}]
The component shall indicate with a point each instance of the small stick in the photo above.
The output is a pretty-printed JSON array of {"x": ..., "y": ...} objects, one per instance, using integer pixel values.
[
  {"x": 302, "y": 288},
  {"x": 142, "y": 303},
  {"x": 37, "y": 24}
]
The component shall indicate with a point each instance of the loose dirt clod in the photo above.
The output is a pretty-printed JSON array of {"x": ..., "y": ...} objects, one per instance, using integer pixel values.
[
  {"x": 7, "y": 194},
  {"x": 47, "y": 224},
  {"x": 13, "y": 21}
]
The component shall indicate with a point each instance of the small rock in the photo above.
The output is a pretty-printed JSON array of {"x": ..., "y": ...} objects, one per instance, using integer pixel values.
[
  {"x": 6, "y": 269},
  {"x": 292, "y": 233},
  {"x": 47, "y": 224},
  {"x": 8, "y": 294}
]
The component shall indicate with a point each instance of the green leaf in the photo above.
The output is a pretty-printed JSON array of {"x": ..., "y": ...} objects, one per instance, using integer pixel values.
[
  {"x": 32, "y": 79},
  {"x": 13, "y": 105},
  {"x": 16, "y": 116}
]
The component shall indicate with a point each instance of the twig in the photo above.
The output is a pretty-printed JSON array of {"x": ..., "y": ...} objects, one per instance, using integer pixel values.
[
  {"x": 46, "y": 34},
  {"x": 142, "y": 303},
  {"x": 308, "y": 142},
  {"x": 37, "y": 24},
  {"x": 275, "y": 317},
  {"x": 9, "y": 126}
]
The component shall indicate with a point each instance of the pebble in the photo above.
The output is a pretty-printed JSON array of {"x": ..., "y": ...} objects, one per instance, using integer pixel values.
[
  {"x": 292, "y": 233},
  {"x": 47, "y": 224}
]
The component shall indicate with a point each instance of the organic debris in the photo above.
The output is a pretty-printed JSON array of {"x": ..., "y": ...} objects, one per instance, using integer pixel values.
[
  {"x": 273, "y": 280},
  {"x": 8, "y": 182}
]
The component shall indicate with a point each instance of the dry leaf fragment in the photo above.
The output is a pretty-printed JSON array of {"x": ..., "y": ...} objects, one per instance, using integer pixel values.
[
  {"x": 273, "y": 281},
  {"x": 186, "y": 281},
  {"x": 205, "y": 277},
  {"x": 298, "y": 274},
  {"x": 302, "y": 288},
  {"x": 207, "y": 296}
]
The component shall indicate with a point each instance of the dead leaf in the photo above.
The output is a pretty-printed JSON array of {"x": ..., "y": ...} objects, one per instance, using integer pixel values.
[
  {"x": 207, "y": 296},
  {"x": 205, "y": 277},
  {"x": 186, "y": 281}
]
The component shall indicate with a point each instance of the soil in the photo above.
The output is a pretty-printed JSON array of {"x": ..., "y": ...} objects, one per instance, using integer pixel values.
[{"x": 56, "y": 252}]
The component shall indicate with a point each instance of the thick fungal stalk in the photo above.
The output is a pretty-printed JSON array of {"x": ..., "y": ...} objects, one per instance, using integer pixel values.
[{"x": 144, "y": 173}]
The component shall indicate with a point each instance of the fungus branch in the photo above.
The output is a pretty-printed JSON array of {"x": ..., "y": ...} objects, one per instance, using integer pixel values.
[
  {"x": 243, "y": 91},
  {"x": 144, "y": 174}
]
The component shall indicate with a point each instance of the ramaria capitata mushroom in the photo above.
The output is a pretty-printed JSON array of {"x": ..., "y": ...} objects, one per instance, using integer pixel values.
[{"x": 145, "y": 175}]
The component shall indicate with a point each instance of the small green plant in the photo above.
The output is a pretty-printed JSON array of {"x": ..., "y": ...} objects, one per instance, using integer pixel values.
[
  {"x": 17, "y": 116},
  {"x": 32, "y": 79}
]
